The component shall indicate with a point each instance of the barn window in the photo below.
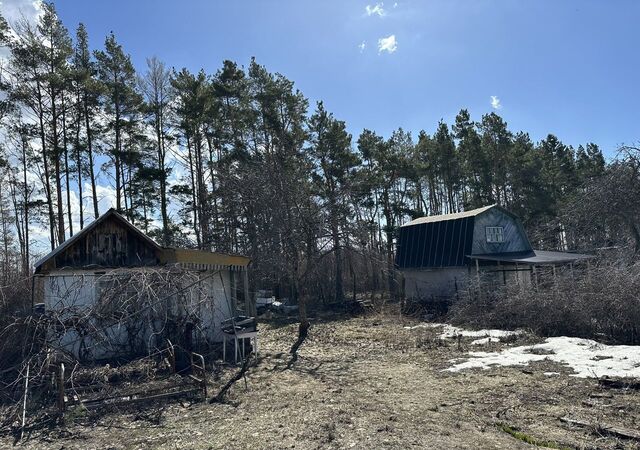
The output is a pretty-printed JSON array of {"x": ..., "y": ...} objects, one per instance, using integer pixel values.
[{"x": 495, "y": 234}]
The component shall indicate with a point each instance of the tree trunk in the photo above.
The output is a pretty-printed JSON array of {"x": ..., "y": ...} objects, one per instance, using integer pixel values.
[
  {"x": 163, "y": 181},
  {"x": 116, "y": 154},
  {"x": 335, "y": 231},
  {"x": 87, "y": 123},
  {"x": 66, "y": 165},
  {"x": 56, "y": 160},
  {"x": 194, "y": 199},
  {"x": 389, "y": 244},
  {"x": 79, "y": 168},
  {"x": 45, "y": 162},
  {"x": 25, "y": 262}
]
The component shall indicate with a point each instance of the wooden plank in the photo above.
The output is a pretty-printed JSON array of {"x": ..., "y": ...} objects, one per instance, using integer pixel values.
[
  {"x": 183, "y": 255},
  {"x": 24, "y": 404},
  {"x": 619, "y": 384},
  {"x": 127, "y": 401},
  {"x": 618, "y": 432},
  {"x": 61, "y": 396}
]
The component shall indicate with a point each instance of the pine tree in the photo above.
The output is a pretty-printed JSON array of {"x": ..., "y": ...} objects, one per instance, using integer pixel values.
[
  {"x": 191, "y": 109},
  {"x": 448, "y": 163},
  {"x": 495, "y": 143},
  {"x": 334, "y": 161},
  {"x": 122, "y": 105},
  {"x": 56, "y": 51},
  {"x": 88, "y": 90},
  {"x": 474, "y": 164},
  {"x": 158, "y": 93}
]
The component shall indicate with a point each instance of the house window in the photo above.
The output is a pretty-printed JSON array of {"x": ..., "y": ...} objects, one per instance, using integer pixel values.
[{"x": 495, "y": 234}]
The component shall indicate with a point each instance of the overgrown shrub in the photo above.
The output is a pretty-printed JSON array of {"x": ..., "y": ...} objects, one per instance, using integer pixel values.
[
  {"x": 600, "y": 303},
  {"x": 15, "y": 326}
]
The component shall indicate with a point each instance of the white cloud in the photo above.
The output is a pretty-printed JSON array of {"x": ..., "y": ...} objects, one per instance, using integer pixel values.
[
  {"x": 395, "y": 5},
  {"x": 495, "y": 102},
  {"x": 15, "y": 11},
  {"x": 376, "y": 9},
  {"x": 106, "y": 196},
  {"x": 362, "y": 46},
  {"x": 387, "y": 44}
]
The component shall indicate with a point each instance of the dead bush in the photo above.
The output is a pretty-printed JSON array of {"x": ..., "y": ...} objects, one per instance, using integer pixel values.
[{"x": 601, "y": 303}]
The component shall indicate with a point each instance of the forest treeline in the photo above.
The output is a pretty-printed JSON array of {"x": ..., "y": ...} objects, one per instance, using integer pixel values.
[{"x": 239, "y": 161}]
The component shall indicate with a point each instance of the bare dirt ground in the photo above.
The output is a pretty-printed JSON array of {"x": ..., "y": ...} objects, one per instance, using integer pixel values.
[{"x": 367, "y": 382}]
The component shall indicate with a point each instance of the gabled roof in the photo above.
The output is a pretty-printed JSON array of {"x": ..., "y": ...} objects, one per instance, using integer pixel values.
[
  {"x": 76, "y": 237},
  {"x": 455, "y": 216},
  {"x": 196, "y": 259}
]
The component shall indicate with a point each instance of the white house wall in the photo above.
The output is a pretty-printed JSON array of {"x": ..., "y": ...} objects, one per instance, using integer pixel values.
[
  {"x": 224, "y": 307},
  {"x": 69, "y": 293}
]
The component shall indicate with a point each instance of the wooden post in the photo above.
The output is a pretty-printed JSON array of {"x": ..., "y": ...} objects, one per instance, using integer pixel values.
[
  {"x": 504, "y": 274},
  {"x": 250, "y": 305},
  {"x": 478, "y": 271},
  {"x": 573, "y": 278},
  {"x": 233, "y": 293},
  {"x": 172, "y": 357},
  {"x": 61, "y": 403},
  {"x": 24, "y": 403}
]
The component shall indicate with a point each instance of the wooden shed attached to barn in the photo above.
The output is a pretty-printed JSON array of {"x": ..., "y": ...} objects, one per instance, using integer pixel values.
[
  {"x": 112, "y": 291},
  {"x": 438, "y": 255}
]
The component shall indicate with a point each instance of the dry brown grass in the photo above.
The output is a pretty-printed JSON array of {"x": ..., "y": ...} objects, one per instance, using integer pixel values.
[{"x": 367, "y": 382}]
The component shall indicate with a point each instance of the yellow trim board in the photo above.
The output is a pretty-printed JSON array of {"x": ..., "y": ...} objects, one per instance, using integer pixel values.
[{"x": 177, "y": 255}]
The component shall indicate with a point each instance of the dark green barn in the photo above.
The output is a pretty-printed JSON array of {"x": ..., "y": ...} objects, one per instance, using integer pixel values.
[{"x": 437, "y": 255}]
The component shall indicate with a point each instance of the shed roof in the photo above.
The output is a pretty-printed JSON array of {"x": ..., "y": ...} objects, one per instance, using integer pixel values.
[{"x": 535, "y": 257}]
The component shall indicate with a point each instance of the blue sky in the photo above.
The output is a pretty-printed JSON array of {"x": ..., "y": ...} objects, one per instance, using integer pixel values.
[{"x": 564, "y": 67}]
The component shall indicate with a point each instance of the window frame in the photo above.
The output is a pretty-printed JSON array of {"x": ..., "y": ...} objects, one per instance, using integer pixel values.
[{"x": 494, "y": 234}]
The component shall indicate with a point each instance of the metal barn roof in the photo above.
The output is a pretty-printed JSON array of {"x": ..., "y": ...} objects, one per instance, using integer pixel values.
[
  {"x": 435, "y": 244},
  {"x": 454, "y": 216}
]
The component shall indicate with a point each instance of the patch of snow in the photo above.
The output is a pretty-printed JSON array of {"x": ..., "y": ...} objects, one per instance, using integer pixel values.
[
  {"x": 425, "y": 325},
  {"x": 450, "y": 331},
  {"x": 551, "y": 374},
  {"x": 585, "y": 357}
]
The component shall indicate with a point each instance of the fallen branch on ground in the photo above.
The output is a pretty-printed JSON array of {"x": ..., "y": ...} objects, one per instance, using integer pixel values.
[
  {"x": 219, "y": 397},
  {"x": 606, "y": 429},
  {"x": 619, "y": 384}
]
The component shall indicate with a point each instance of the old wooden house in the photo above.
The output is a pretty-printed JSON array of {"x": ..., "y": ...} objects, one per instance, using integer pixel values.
[
  {"x": 439, "y": 255},
  {"x": 110, "y": 290}
]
